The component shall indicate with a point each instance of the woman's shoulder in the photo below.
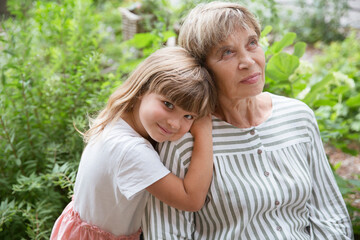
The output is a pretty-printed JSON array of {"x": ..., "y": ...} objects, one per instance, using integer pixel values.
[
  {"x": 185, "y": 142},
  {"x": 288, "y": 103}
]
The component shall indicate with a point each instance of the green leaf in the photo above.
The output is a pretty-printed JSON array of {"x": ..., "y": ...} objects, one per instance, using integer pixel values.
[
  {"x": 325, "y": 102},
  {"x": 168, "y": 34},
  {"x": 350, "y": 151},
  {"x": 142, "y": 40},
  {"x": 287, "y": 40},
  {"x": 355, "y": 182},
  {"x": 317, "y": 87},
  {"x": 266, "y": 31},
  {"x": 337, "y": 166},
  {"x": 354, "y": 101},
  {"x": 3, "y": 78},
  {"x": 341, "y": 89},
  {"x": 299, "y": 49},
  {"x": 281, "y": 66}
]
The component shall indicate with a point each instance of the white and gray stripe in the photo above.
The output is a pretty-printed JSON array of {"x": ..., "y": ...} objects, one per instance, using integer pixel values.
[{"x": 272, "y": 181}]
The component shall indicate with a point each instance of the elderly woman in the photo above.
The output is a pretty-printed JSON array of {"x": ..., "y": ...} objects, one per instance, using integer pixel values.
[{"x": 271, "y": 176}]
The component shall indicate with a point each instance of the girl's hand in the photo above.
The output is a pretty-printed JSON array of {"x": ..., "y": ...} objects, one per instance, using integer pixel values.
[{"x": 202, "y": 127}]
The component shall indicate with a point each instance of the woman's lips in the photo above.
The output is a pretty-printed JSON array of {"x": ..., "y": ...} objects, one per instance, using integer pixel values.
[{"x": 253, "y": 78}]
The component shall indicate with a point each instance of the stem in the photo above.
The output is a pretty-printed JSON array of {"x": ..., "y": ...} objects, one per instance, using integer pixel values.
[
  {"x": 68, "y": 179},
  {"x": 292, "y": 89},
  {"x": 9, "y": 140},
  {"x": 8, "y": 137},
  {"x": 27, "y": 117},
  {"x": 37, "y": 224}
]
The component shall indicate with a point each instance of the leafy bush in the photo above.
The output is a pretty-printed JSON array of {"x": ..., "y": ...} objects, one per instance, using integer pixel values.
[
  {"x": 338, "y": 98},
  {"x": 50, "y": 77},
  {"x": 318, "y": 20}
]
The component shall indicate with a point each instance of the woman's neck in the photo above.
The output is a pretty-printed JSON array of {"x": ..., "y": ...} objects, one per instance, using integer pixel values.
[{"x": 246, "y": 112}]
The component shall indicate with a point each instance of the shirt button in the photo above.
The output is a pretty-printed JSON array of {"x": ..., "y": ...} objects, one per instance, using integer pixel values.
[
  {"x": 278, "y": 228},
  {"x": 266, "y": 174},
  {"x": 277, "y": 202},
  {"x": 252, "y": 131},
  {"x": 259, "y": 151}
]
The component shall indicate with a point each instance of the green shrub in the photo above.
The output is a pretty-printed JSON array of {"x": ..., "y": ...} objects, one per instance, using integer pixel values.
[
  {"x": 318, "y": 20},
  {"x": 50, "y": 77}
]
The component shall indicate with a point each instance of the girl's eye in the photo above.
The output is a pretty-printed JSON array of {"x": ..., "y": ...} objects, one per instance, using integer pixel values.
[
  {"x": 169, "y": 105},
  {"x": 189, "y": 117}
]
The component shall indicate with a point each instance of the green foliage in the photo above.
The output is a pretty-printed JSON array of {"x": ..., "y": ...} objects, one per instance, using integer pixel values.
[
  {"x": 50, "y": 77},
  {"x": 281, "y": 66},
  {"x": 317, "y": 20},
  {"x": 336, "y": 96},
  {"x": 333, "y": 92}
]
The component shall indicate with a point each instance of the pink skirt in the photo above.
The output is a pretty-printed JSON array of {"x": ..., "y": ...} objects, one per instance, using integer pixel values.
[{"x": 69, "y": 226}]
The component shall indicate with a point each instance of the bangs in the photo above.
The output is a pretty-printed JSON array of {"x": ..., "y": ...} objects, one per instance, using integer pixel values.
[
  {"x": 194, "y": 101},
  {"x": 190, "y": 94},
  {"x": 199, "y": 37},
  {"x": 229, "y": 22}
]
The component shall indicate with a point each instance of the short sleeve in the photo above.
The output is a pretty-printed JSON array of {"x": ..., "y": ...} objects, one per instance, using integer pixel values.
[{"x": 139, "y": 168}]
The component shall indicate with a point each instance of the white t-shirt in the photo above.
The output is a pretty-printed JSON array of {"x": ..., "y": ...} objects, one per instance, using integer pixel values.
[{"x": 114, "y": 170}]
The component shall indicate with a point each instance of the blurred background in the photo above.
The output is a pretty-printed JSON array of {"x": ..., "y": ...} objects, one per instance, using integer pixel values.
[{"x": 60, "y": 61}]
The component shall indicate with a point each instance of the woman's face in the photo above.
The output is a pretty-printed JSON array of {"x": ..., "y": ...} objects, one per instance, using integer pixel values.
[{"x": 238, "y": 64}]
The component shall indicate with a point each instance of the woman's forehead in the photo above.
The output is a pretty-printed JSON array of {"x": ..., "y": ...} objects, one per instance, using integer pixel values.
[{"x": 241, "y": 34}]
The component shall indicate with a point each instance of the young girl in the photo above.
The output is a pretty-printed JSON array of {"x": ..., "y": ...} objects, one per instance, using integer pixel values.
[{"x": 159, "y": 102}]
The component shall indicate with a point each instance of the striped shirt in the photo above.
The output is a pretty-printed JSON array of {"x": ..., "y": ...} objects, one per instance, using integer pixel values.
[{"x": 272, "y": 181}]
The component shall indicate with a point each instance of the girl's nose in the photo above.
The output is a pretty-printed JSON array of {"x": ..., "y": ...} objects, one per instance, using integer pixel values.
[{"x": 174, "y": 123}]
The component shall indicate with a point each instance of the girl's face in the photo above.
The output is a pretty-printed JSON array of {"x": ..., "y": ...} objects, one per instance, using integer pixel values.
[
  {"x": 161, "y": 120},
  {"x": 238, "y": 64}
]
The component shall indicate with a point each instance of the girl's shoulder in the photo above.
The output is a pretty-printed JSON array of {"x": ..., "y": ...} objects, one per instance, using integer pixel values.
[{"x": 118, "y": 138}]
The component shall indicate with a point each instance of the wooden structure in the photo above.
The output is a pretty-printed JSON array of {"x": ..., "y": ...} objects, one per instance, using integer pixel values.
[{"x": 130, "y": 23}]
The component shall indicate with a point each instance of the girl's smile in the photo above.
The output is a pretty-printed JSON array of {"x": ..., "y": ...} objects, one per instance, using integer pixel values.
[{"x": 155, "y": 118}]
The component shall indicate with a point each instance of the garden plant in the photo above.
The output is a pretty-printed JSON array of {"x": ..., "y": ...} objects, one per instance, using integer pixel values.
[{"x": 60, "y": 60}]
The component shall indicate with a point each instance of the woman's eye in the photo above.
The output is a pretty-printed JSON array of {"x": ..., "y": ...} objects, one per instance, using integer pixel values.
[
  {"x": 169, "y": 105},
  {"x": 227, "y": 52},
  {"x": 254, "y": 42},
  {"x": 189, "y": 117}
]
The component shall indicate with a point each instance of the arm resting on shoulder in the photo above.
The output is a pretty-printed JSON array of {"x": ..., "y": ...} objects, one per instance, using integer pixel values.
[{"x": 189, "y": 194}]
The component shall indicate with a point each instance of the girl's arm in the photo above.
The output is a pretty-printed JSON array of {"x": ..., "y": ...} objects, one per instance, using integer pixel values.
[{"x": 189, "y": 194}]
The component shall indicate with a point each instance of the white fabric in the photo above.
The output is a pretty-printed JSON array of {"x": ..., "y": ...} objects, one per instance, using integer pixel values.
[{"x": 114, "y": 171}]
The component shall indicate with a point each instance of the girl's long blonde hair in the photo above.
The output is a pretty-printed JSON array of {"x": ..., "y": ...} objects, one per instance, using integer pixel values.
[{"x": 171, "y": 72}]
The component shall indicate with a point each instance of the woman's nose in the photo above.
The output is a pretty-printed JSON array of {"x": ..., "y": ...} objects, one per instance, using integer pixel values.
[{"x": 245, "y": 61}]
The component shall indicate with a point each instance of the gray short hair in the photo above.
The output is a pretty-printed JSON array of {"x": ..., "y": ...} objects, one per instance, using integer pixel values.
[{"x": 211, "y": 23}]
